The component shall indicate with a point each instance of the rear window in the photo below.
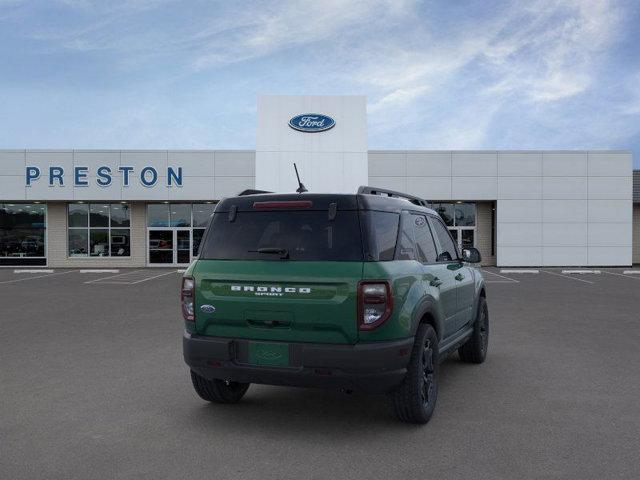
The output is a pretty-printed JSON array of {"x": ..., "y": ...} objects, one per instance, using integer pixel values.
[
  {"x": 304, "y": 235},
  {"x": 382, "y": 233}
]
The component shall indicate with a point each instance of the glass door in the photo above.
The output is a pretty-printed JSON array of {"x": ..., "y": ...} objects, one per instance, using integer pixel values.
[
  {"x": 161, "y": 247},
  {"x": 183, "y": 246}
]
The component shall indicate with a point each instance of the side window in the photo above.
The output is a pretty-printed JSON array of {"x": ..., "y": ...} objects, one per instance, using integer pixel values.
[
  {"x": 447, "y": 251},
  {"x": 426, "y": 249},
  {"x": 406, "y": 249}
]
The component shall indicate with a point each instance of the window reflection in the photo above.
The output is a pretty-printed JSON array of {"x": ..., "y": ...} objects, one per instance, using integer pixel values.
[{"x": 22, "y": 230}]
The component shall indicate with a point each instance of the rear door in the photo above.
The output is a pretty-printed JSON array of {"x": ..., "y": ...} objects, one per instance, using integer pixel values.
[
  {"x": 282, "y": 274},
  {"x": 437, "y": 275},
  {"x": 450, "y": 268}
]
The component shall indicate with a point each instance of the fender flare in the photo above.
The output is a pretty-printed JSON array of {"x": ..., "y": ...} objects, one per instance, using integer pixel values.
[{"x": 426, "y": 306}]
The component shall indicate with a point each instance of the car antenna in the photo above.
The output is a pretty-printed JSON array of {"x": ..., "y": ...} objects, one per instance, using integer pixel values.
[{"x": 301, "y": 188}]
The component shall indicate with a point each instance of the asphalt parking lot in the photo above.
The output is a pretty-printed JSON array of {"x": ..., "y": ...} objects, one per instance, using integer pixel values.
[{"x": 92, "y": 385}]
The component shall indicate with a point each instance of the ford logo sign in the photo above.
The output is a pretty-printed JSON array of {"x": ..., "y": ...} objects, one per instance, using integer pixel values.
[
  {"x": 311, "y": 122},
  {"x": 207, "y": 308}
]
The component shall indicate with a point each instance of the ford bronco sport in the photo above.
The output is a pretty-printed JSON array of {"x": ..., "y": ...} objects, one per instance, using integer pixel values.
[{"x": 360, "y": 292}]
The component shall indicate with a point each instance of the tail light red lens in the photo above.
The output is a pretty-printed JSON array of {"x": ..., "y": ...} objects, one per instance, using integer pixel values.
[
  {"x": 187, "y": 298},
  {"x": 375, "y": 303}
]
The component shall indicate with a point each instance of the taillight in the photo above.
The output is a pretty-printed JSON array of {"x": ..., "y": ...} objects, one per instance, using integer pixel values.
[
  {"x": 186, "y": 298},
  {"x": 375, "y": 303}
]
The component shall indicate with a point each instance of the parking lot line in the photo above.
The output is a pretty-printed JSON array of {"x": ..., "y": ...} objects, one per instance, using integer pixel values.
[
  {"x": 39, "y": 276},
  {"x": 151, "y": 278},
  {"x": 567, "y": 276},
  {"x": 112, "y": 276},
  {"x": 501, "y": 276},
  {"x": 101, "y": 270},
  {"x": 621, "y": 275},
  {"x": 517, "y": 270},
  {"x": 33, "y": 271}
]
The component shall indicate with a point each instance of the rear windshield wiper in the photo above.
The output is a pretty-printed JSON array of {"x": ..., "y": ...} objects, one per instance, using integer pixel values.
[{"x": 283, "y": 252}]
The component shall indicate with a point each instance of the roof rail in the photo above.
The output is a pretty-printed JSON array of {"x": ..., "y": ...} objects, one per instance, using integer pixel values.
[
  {"x": 366, "y": 190},
  {"x": 251, "y": 191}
]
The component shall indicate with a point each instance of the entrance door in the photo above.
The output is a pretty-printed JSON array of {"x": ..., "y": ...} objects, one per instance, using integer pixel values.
[
  {"x": 170, "y": 246},
  {"x": 161, "y": 247},
  {"x": 183, "y": 246},
  {"x": 464, "y": 237}
]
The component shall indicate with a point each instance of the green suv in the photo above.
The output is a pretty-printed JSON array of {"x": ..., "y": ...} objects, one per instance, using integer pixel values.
[{"x": 362, "y": 292}]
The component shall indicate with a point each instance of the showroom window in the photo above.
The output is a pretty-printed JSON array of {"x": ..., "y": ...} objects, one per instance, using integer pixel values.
[
  {"x": 23, "y": 233},
  {"x": 460, "y": 219},
  {"x": 99, "y": 230}
]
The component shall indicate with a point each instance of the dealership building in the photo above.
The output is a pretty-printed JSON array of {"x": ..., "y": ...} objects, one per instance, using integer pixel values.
[{"x": 136, "y": 208}]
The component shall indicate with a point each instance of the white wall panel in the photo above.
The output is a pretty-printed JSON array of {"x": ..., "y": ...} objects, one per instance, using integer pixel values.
[
  {"x": 564, "y": 164},
  {"x": 430, "y": 188},
  {"x": 524, "y": 234},
  {"x": 40, "y": 190},
  {"x": 235, "y": 164},
  {"x": 474, "y": 164},
  {"x": 194, "y": 164},
  {"x": 564, "y": 211},
  {"x": 12, "y": 162},
  {"x": 520, "y": 164},
  {"x": 564, "y": 256},
  {"x": 564, "y": 235},
  {"x": 609, "y": 164},
  {"x": 611, "y": 187},
  {"x": 519, "y": 256},
  {"x": 609, "y": 211},
  {"x": 387, "y": 164},
  {"x": 474, "y": 188},
  {"x": 609, "y": 234},
  {"x": 93, "y": 191},
  {"x": 12, "y": 187},
  {"x": 609, "y": 256},
  {"x": 564, "y": 187},
  {"x": 519, "y": 211},
  {"x": 429, "y": 164},
  {"x": 519, "y": 187}
]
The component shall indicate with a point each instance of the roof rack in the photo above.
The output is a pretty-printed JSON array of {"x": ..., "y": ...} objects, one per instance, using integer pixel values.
[
  {"x": 251, "y": 191},
  {"x": 391, "y": 193}
]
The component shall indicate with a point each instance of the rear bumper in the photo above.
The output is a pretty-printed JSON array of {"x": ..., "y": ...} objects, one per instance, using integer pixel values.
[{"x": 375, "y": 367}]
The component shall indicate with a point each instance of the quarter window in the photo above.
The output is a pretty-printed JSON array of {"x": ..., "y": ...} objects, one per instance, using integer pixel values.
[
  {"x": 99, "y": 230},
  {"x": 406, "y": 247},
  {"x": 424, "y": 240},
  {"x": 447, "y": 251}
]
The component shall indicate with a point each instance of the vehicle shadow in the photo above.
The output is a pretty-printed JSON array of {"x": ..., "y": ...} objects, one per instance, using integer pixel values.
[{"x": 289, "y": 411}]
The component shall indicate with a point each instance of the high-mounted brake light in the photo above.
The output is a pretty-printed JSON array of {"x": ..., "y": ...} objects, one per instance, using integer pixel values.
[
  {"x": 375, "y": 303},
  {"x": 187, "y": 298},
  {"x": 284, "y": 204}
]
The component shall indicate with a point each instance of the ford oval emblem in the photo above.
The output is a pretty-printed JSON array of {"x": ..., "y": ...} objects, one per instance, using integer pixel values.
[
  {"x": 207, "y": 308},
  {"x": 312, "y": 122}
]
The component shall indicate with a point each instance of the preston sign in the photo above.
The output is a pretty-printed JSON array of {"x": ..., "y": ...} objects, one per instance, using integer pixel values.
[
  {"x": 312, "y": 122},
  {"x": 56, "y": 176}
]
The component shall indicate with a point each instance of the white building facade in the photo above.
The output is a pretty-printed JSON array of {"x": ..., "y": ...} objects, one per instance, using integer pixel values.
[{"x": 98, "y": 208}]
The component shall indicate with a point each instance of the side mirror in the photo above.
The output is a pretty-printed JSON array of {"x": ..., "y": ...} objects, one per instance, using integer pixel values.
[{"x": 471, "y": 255}]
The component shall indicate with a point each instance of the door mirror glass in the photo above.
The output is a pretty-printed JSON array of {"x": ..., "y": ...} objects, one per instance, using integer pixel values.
[{"x": 471, "y": 255}]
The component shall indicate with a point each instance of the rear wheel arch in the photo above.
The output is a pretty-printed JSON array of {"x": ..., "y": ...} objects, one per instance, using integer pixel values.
[
  {"x": 425, "y": 313},
  {"x": 429, "y": 319}
]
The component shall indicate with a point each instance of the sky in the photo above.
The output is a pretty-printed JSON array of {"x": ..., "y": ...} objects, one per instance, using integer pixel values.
[{"x": 488, "y": 74}]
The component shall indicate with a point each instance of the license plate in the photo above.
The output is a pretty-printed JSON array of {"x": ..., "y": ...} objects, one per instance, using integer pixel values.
[{"x": 272, "y": 354}]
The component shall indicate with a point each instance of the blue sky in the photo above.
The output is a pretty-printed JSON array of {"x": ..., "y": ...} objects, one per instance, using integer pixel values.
[{"x": 459, "y": 75}]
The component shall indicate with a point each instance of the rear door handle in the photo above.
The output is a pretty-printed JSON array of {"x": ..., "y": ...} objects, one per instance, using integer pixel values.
[
  {"x": 459, "y": 277},
  {"x": 436, "y": 282}
]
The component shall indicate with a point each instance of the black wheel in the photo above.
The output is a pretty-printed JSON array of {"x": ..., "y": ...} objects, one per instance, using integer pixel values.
[
  {"x": 415, "y": 399},
  {"x": 475, "y": 349},
  {"x": 218, "y": 391}
]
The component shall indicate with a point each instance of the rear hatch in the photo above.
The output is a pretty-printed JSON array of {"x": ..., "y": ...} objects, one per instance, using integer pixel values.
[{"x": 284, "y": 269}]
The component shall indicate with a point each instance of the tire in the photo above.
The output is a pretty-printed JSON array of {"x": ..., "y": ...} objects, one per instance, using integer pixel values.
[
  {"x": 218, "y": 391},
  {"x": 475, "y": 349},
  {"x": 415, "y": 399}
]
